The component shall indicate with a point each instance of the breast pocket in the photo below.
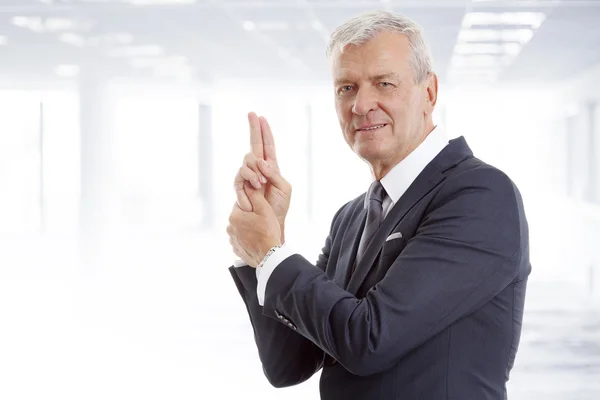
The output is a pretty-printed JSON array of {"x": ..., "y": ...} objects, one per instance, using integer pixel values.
[{"x": 393, "y": 247}]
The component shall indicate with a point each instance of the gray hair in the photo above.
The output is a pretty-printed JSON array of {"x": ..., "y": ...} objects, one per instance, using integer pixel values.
[{"x": 367, "y": 25}]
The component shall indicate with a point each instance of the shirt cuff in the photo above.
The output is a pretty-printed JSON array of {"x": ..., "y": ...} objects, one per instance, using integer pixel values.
[
  {"x": 239, "y": 263},
  {"x": 263, "y": 273}
]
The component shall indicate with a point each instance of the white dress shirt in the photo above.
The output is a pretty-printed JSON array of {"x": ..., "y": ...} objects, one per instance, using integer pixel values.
[{"x": 395, "y": 183}]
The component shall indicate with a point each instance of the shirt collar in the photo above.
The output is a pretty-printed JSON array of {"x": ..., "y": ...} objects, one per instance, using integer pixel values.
[{"x": 401, "y": 176}]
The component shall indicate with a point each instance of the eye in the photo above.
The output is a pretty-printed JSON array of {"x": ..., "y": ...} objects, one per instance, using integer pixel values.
[
  {"x": 385, "y": 84},
  {"x": 345, "y": 88}
]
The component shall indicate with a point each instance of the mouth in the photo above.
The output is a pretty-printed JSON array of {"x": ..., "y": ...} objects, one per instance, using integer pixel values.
[{"x": 371, "y": 128}]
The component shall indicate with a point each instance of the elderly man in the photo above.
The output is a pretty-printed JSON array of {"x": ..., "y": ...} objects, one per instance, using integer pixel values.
[{"x": 420, "y": 287}]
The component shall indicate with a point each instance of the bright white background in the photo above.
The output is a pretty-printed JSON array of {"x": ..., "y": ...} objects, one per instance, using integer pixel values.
[{"x": 145, "y": 308}]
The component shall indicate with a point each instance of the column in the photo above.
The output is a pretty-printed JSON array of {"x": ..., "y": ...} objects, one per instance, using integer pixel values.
[
  {"x": 97, "y": 152},
  {"x": 594, "y": 153},
  {"x": 205, "y": 166}
]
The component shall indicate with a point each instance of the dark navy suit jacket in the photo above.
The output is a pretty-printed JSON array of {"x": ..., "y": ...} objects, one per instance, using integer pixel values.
[{"x": 434, "y": 314}]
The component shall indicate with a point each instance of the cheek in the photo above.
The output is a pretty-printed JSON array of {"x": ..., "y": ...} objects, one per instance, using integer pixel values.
[
  {"x": 343, "y": 106},
  {"x": 344, "y": 118},
  {"x": 417, "y": 103}
]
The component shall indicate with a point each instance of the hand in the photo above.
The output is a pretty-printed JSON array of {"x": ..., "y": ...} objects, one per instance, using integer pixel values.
[
  {"x": 261, "y": 169},
  {"x": 252, "y": 234}
]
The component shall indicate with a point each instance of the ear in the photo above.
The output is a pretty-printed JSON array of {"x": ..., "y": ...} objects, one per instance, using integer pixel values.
[{"x": 431, "y": 93}]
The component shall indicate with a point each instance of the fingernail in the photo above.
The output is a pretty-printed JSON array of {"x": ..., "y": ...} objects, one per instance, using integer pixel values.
[
  {"x": 263, "y": 179},
  {"x": 256, "y": 184}
]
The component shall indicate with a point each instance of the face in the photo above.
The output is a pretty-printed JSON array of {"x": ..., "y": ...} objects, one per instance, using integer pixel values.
[{"x": 383, "y": 113}]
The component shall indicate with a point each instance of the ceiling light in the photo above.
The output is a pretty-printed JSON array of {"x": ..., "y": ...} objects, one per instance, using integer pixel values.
[
  {"x": 272, "y": 26},
  {"x": 72, "y": 38},
  {"x": 496, "y": 35},
  {"x": 139, "y": 62},
  {"x": 533, "y": 19},
  {"x": 52, "y": 24},
  {"x": 136, "y": 51},
  {"x": 59, "y": 24},
  {"x": 318, "y": 26},
  {"x": 469, "y": 75},
  {"x": 488, "y": 48},
  {"x": 120, "y": 37},
  {"x": 478, "y": 61},
  {"x": 21, "y": 22},
  {"x": 155, "y": 62},
  {"x": 159, "y": 2},
  {"x": 473, "y": 71},
  {"x": 32, "y": 23},
  {"x": 171, "y": 67},
  {"x": 67, "y": 70},
  {"x": 111, "y": 39},
  {"x": 249, "y": 26},
  {"x": 180, "y": 71}
]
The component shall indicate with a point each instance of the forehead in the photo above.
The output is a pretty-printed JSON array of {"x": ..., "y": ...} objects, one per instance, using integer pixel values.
[{"x": 388, "y": 52}]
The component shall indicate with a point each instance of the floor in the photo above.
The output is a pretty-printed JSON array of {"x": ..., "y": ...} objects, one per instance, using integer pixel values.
[{"x": 159, "y": 318}]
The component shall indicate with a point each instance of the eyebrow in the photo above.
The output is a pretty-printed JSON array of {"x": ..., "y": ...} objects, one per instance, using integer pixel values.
[
  {"x": 379, "y": 77},
  {"x": 392, "y": 75}
]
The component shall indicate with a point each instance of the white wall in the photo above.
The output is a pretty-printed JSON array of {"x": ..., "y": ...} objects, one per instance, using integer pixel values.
[{"x": 580, "y": 97}]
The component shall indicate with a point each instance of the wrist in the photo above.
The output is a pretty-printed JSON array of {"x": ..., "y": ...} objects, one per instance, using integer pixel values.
[
  {"x": 268, "y": 245},
  {"x": 268, "y": 254}
]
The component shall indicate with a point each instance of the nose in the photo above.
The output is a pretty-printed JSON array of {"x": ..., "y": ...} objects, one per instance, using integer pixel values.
[{"x": 365, "y": 101}]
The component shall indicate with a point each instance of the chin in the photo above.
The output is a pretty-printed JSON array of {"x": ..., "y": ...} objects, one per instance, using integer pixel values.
[{"x": 368, "y": 151}]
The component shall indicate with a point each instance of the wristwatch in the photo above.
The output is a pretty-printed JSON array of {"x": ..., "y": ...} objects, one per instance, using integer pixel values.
[{"x": 266, "y": 257}]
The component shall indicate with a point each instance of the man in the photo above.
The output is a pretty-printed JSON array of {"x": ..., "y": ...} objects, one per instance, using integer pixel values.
[{"x": 420, "y": 287}]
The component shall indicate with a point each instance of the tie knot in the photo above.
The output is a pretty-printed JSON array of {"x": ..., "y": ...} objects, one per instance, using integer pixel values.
[{"x": 376, "y": 192}]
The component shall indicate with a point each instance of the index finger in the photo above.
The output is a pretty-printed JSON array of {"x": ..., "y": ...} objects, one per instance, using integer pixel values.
[
  {"x": 256, "y": 140},
  {"x": 268, "y": 140}
]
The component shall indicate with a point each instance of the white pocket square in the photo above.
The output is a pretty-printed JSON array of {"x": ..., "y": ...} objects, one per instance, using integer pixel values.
[{"x": 394, "y": 235}]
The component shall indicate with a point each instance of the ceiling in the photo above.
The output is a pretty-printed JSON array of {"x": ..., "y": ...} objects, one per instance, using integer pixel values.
[{"x": 503, "y": 41}]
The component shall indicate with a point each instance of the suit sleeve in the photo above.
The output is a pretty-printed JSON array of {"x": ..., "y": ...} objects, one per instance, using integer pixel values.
[
  {"x": 287, "y": 357},
  {"x": 467, "y": 249}
]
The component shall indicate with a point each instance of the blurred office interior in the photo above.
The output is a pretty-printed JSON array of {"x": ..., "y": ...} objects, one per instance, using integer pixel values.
[{"x": 123, "y": 123}]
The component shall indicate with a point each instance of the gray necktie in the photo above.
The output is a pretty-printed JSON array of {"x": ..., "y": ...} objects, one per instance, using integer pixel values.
[{"x": 375, "y": 197}]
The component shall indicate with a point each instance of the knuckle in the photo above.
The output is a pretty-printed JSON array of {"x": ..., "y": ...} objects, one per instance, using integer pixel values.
[
  {"x": 253, "y": 164},
  {"x": 245, "y": 171},
  {"x": 249, "y": 174},
  {"x": 249, "y": 159}
]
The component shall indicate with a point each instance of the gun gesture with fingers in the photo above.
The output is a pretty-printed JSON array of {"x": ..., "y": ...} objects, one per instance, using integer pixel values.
[{"x": 260, "y": 170}]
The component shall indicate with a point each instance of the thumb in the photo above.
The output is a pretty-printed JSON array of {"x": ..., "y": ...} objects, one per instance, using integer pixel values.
[
  {"x": 257, "y": 198},
  {"x": 271, "y": 172}
]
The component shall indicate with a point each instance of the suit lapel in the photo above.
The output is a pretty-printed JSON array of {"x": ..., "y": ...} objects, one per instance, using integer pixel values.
[
  {"x": 455, "y": 152},
  {"x": 350, "y": 241},
  {"x": 420, "y": 187}
]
